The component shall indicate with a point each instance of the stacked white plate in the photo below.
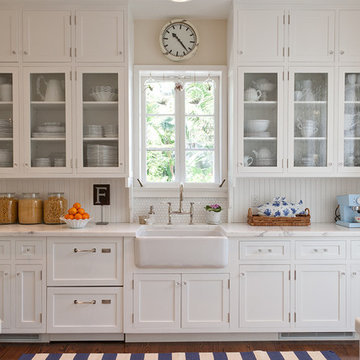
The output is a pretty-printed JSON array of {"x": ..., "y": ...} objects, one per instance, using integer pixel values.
[
  {"x": 110, "y": 131},
  {"x": 6, "y": 128},
  {"x": 265, "y": 162},
  {"x": 49, "y": 130},
  {"x": 94, "y": 131},
  {"x": 42, "y": 162},
  {"x": 59, "y": 162},
  {"x": 258, "y": 134},
  {"x": 6, "y": 157},
  {"x": 101, "y": 155}
]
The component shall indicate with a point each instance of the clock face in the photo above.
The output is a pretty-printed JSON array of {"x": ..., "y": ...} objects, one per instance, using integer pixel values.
[{"x": 179, "y": 40}]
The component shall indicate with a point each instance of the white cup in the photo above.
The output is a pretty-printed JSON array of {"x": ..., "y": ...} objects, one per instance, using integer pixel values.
[
  {"x": 308, "y": 131},
  {"x": 5, "y": 92}
]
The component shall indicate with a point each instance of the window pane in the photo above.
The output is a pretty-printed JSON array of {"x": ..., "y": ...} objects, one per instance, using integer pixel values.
[
  {"x": 199, "y": 98},
  {"x": 199, "y": 166},
  {"x": 160, "y": 97},
  {"x": 160, "y": 131},
  {"x": 200, "y": 132},
  {"x": 160, "y": 166}
]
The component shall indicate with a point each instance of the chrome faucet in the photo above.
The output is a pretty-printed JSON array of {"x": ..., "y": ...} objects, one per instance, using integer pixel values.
[{"x": 181, "y": 210}]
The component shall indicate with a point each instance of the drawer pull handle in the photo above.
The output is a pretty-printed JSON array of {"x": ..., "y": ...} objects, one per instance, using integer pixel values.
[
  {"x": 76, "y": 250},
  {"x": 92, "y": 302},
  {"x": 106, "y": 251},
  {"x": 259, "y": 250},
  {"x": 269, "y": 250},
  {"x": 106, "y": 301},
  {"x": 316, "y": 250}
]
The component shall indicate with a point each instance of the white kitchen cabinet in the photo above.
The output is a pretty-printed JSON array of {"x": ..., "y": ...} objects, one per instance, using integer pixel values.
[
  {"x": 260, "y": 35},
  {"x": 205, "y": 300},
  {"x": 29, "y": 297},
  {"x": 320, "y": 296},
  {"x": 310, "y": 132},
  {"x": 47, "y": 127},
  {"x": 157, "y": 301},
  {"x": 264, "y": 296},
  {"x": 261, "y": 101},
  {"x": 101, "y": 121},
  {"x": 84, "y": 310},
  {"x": 354, "y": 294},
  {"x": 311, "y": 35},
  {"x": 46, "y": 36},
  {"x": 99, "y": 36},
  {"x": 9, "y": 35},
  {"x": 5, "y": 297},
  {"x": 9, "y": 121},
  {"x": 349, "y": 28},
  {"x": 349, "y": 120},
  {"x": 85, "y": 262}
]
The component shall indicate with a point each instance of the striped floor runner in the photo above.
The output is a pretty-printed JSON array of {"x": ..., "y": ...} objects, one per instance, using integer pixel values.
[{"x": 255, "y": 355}]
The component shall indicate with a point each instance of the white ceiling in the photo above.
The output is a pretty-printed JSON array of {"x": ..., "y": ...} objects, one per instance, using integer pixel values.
[{"x": 167, "y": 9}]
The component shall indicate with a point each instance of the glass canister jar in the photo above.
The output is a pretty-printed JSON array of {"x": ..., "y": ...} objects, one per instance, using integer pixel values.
[
  {"x": 8, "y": 208},
  {"x": 54, "y": 207},
  {"x": 30, "y": 209}
]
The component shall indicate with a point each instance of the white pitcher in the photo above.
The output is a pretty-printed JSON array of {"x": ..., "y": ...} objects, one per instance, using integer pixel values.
[
  {"x": 252, "y": 94},
  {"x": 54, "y": 89}
]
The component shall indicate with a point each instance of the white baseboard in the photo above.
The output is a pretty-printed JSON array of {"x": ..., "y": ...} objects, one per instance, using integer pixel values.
[{"x": 86, "y": 337}]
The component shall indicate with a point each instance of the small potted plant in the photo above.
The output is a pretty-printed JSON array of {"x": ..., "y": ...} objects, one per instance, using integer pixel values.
[{"x": 213, "y": 214}]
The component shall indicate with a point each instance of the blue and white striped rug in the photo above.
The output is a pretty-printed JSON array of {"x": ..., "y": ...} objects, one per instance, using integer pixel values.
[{"x": 255, "y": 355}]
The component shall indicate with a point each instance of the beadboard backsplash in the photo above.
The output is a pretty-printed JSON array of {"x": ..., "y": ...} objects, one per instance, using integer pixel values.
[
  {"x": 80, "y": 190},
  {"x": 318, "y": 194}
]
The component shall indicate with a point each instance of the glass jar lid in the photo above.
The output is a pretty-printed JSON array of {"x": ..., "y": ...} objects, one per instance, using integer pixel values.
[
  {"x": 56, "y": 194},
  {"x": 30, "y": 195},
  {"x": 7, "y": 195}
]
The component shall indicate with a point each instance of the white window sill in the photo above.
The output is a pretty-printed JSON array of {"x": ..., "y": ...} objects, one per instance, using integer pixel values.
[{"x": 189, "y": 192}]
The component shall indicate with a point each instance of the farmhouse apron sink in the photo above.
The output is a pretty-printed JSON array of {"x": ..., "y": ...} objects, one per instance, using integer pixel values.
[{"x": 189, "y": 246}]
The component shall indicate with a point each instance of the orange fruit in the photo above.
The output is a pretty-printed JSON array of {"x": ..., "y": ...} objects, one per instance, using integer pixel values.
[
  {"x": 77, "y": 205},
  {"x": 78, "y": 217},
  {"x": 81, "y": 211},
  {"x": 72, "y": 211},
  {"x": 67, "y": 216},
  {"x": 71, "y": 217},
  {"x": 86, "y": 216}
]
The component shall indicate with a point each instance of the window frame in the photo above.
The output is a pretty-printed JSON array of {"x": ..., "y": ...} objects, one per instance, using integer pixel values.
[{"x": 217, "y": 73}]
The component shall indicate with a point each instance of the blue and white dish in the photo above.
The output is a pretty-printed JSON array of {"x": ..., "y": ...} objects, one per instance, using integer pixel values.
[{"x": 279, "y": 206}]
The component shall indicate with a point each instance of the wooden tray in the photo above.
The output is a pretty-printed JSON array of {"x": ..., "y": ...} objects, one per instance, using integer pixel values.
[{"x": 298, "y": 220}]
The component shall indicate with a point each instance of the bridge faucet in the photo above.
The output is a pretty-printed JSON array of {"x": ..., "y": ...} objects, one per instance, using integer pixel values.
[{"x": 181, "y": 210}]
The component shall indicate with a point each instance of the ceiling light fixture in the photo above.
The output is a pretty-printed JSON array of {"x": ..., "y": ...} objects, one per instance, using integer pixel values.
[{"x": 180, "y": 1}]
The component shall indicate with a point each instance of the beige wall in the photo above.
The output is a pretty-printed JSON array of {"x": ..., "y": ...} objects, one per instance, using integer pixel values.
[{"x": 211, "y": 51}]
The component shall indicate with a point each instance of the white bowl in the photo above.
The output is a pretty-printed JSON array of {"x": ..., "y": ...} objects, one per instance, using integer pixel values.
[
  {"x": 256, "y": 125},
  {"x": 75, "y": 224}
]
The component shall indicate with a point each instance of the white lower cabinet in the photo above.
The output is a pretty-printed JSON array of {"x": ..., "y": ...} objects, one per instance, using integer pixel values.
[
  {"x": 29, "y": 297},
  {"x": 84, "y": 310},
  {"x": 264, "y": 296},
  {"x": 355, "y": 294},
  {"x": 5, "y": 308},
  {"x": 320, "y": 299},
  {"x": 202, "y": 300}
]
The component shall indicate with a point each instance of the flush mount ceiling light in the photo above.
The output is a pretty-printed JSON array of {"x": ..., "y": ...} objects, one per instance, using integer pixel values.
[{"x": 180, "y": 1}]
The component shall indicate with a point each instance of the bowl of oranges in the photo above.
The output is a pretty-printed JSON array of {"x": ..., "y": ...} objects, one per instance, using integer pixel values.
[{"x": 76, "y": 217}]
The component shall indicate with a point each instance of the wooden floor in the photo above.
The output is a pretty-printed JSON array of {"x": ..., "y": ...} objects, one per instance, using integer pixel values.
[{"x": 346, "y": 350}]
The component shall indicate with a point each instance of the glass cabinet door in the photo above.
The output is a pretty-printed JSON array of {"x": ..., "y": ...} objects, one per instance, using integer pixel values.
[
  {"x": 309, "y": 118},
  {"x": 101, "y": 108},
  {"x": 261, "y": 120},
  {"x": 350, "y": 120},
  {"x": 8, "y": 121},
  {"x": 47, "y": 121}
]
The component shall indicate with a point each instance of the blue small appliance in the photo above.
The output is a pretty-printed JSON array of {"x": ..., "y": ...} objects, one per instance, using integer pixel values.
[{"x": 349, "y": 208}]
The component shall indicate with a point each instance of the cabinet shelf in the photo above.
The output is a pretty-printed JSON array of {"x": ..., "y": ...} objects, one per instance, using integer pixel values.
[
  {"x": 6, "y": 102},
  {"x": 100, "y": 138},
  {"x": 310, "y": 102},
  {"x": 259, "y": 138},
  {"x": 100, "y": 105},
  {"x": 352, "y": 102},
  {"x": 260, "y": 102},
  {"x": 352, "y": 138},
  {"x": 48, "y": 139},
  {"x": 48, "y": 105},
  {"x": 310, "y": 138},
  {"x": 6, "y": 139}
]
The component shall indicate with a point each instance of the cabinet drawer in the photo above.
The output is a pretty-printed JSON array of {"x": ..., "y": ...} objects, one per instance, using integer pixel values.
[
  {"x": 29, "y": 249},
  {"x": 355, "y": 249},
  {"x": 5, "y": 252},
  {"x": 89, "y": 261},
  {"x": 322, "y": 250},
  {"x": 264, "y": 250},
  {"x": 84, "y": 310}
]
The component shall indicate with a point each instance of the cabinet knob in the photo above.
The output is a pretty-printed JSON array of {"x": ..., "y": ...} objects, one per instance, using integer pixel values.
[
  {"x": 342, "y": 52},
  {"x": 27, "y": 164},
  {"x": 240, "y": 164},
  {"x": 120, "y": 52},
  {"x": 242, "y": 274},
  {"x": 354, "y": 273},
  {"x": 316, "y": 250},
  {"x": 185, "y": 283},
  {"x": 340, "y": 163},
  {"x": 269, "y": 250},
  {"x": 240, "y": 52},
  {"x": 15, "y": 164},
  {"x": 18, "y": 274},
  {"x": 6, "y": 273},
  {"x": 330, "y": 164},
  {"x": 25, "y": 52},
  {"x": 13, "y": 52},
  {"x": 343, "y": 274},
  {"x": 331, "y": 52},
  {"x": 178, "y": 283}
]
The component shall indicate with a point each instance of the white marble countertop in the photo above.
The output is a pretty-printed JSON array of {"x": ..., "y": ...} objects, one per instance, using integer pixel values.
[{"x": 231, "y": 230}]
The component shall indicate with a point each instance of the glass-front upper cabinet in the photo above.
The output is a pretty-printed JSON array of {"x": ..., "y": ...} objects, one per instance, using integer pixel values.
[
  {"x": 100, "y": 120},
  {"x": 9, "y": 129},
  {"x": 310, "y": 119},
  {"x": 261, "y": 123},
  {"x": 47, "y": 125},
  {"x": 349, "y": 120}
]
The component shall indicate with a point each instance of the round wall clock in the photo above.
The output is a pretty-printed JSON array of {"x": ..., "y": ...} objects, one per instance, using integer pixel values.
[{"x": 179, "y": 40}]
